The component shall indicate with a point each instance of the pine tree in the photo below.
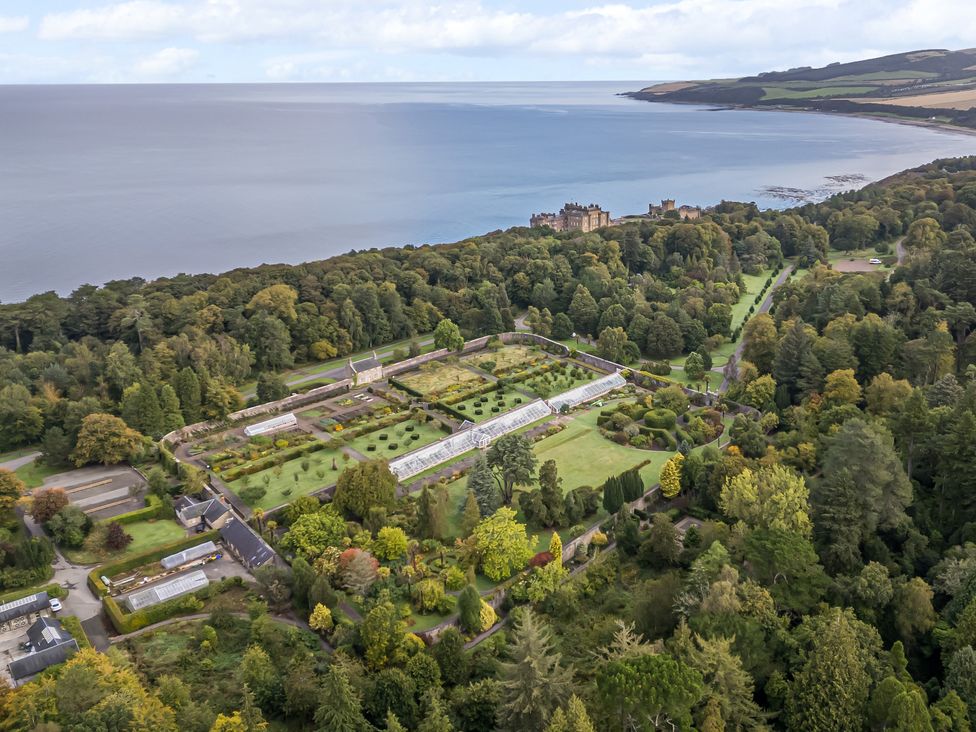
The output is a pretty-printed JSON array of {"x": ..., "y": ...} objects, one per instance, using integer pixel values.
[
  {"x": 534, "y": 682},
  {"x": 186, "y": 384},
  {"x": 482, "y": 484},
  {"x": 141, "y": 409},
  {"x": 471, "y": 514},
  {"x": 556, "y": 547},
  {"x": 393, "y": 724},
  {"x": 341, "y": 710},
  {"x": 170, "y": 405},
  {"x": 671, "y": 476},
  {"x": 469, "y": 610},
  {"x": 552, "y": 494},
  {"x": 829, "y": 692},
  {"x": 436, "y": 719},
  {"x": 613, "y": 495},
  {"x": 571, "y": 718}
]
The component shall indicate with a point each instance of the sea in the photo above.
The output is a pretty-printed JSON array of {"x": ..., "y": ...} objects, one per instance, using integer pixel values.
[{"x": 110, "y": 182}]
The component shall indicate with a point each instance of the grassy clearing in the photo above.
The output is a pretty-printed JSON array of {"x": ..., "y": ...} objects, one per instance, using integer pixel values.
[
  {"x": 145, "y": 535},
  {"x": 282, "y": 486},
  {"x": 778, "y": 92},
  {"x": 396, "y": 435},
  {"x": 438, "y": 378},
  {"x": 754, "y": 285},
  {"x": 34, "y": 473}
]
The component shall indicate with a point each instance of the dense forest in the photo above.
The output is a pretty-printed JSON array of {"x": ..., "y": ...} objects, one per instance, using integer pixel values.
[{"x": 831, "y": 586}]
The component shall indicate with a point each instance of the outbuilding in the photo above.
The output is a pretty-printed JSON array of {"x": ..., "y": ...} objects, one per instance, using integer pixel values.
[{"x": 247, "y": 546}]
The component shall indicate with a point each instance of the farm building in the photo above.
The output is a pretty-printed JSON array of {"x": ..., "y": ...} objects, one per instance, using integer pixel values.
[
  {"x": 50, "y": 644},
  {"x": 212, "y": 513},
  {"x": 276, "y": 424},
  {"x": 244, "y": 544},
  {"x": 182, "y": 585},
  {"x": 365, "y": 371},
  {"x": 188, "y": 555},
  {"x": 15, "y": 613}
]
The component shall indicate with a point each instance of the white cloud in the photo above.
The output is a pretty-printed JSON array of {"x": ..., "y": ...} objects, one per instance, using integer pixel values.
[
  {"x": 693, "y": 36},
  {"x": 167, "y": 62},
  {"x": 13, "y": 24}
]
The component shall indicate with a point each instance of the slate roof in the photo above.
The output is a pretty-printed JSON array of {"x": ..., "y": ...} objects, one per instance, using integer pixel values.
[
  {"x": 23, "y": 606},
  {"x": 365, "y": 365},
  {"x": 37, "y": 662},
  {"x": 252, "y": 548},
  {"x": 211, "y": 510},
  {"x": 47, "y": 633}
]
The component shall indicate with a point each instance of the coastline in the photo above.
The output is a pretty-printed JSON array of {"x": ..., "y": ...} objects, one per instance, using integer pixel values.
[{"x": 927, "y": 123}]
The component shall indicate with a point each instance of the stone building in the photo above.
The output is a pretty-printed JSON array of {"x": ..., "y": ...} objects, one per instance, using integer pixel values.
[
  {"x": 365, "y": 371},
  {"x": 573, "y": 217},
  {"x": 685, "y": 212}
]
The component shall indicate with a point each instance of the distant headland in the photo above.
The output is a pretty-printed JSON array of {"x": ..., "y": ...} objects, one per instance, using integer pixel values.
[{"x": 931, "y": 87}]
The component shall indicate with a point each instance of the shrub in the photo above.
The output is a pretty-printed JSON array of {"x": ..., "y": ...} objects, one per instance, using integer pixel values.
[
  {"x": 252, "y": 493},
  {"x": 454, "y": 578},
  {"x": 662, "y": 419},
  {"x": 496, "y": 409},
  {"x": 479, "y": 412},
  {"x": 383, "y": 436},
  {"x": 415, "y": 436},
  {"x": 393, "y": 446},
  {"x": 427, "y": 595},
  {"x": 409, "y": 428},
  {"x": 116, "y": 537},
  {"x": 370, "y": 448},
  {"x": 541, "y": 559},
  {"x": 599, "y": 539}
]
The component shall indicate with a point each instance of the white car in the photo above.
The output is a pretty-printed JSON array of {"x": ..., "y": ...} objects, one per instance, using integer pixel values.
[
  {"x": 875, "y": 260},
  {"x": 55, "y": 605}
]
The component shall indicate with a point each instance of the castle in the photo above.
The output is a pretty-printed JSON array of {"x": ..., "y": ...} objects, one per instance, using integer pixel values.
[
  {"x": 685, "y": 213},
  {"x": 573, "y": 217}
]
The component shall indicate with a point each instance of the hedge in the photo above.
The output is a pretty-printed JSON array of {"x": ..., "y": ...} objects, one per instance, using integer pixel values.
[
  {"x": 271, "y": 460},
  {"x": 155, "y": 508},
  {"x": 138, "y": 560},
  {"x": 71, "y": 624},
  {"x": 52, "y": 590},
  {"x": 124, "y": 622},
  {"x": 403, "y": 387}
]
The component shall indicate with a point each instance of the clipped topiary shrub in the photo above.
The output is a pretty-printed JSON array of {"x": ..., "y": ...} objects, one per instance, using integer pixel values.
[
  {"x": 662, "y": 419},
  {"x": 383, "y": 436}
]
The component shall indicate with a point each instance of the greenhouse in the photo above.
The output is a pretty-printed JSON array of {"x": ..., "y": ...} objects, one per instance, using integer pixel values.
[
  {"x": 479, "y": 436},
  {"x": 182, "y": 585},
  {"x": 586, "y": 392},
  {"x": 188, "y": 555}
]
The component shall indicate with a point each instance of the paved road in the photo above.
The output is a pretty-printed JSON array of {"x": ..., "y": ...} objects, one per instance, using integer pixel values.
[
  {"x": 900, "y": 249},
  {"x": 12, "y": 465},
  {"x": 763, "y": 307}
]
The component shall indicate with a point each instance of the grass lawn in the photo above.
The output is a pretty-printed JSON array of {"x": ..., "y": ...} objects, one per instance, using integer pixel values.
[
  {"x": 774, "y": 92},
  {"x": 20, "y": 452},
  {"x": 468, "y": 407},
  {"x": 440, "y": 377},
  {"x": 397, "y": 435},
  {"x": 284, "y": 480},
  {"x": 34, "y": 473},
  {"x": 754, "y": 285},
  {"x": 571, "y": 344},
  {"x": 584, "y": 457},
  {"x": 145, "y": 535}
]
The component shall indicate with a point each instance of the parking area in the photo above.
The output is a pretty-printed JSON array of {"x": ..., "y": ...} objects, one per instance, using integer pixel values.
[{"x": 102, "y": 492}]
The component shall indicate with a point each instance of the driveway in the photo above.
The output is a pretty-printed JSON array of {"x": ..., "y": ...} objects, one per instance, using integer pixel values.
[{"x": 12, "y": 465}]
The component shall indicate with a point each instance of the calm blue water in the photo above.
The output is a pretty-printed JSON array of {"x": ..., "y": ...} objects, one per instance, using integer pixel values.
[{"x": 98, "y": 183}]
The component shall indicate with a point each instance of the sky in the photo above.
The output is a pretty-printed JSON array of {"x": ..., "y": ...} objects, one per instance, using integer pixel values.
[{"x": 143, "y": 41}]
